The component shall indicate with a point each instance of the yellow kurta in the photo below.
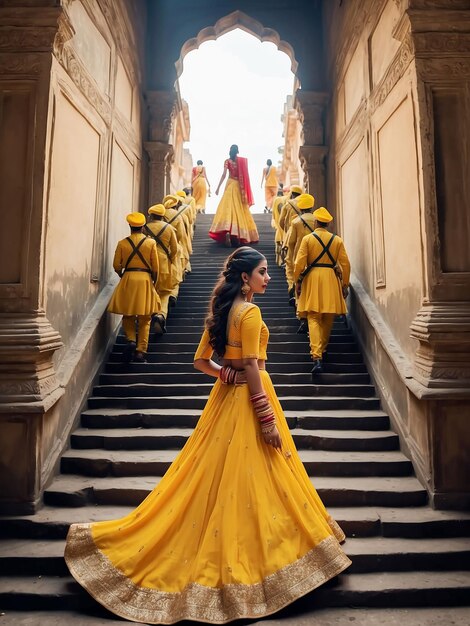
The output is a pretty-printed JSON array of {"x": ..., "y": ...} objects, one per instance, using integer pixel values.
[
  {"x": 167, "y": 235},
  {"x": 297, "y": 231},
  {"x": 200, "y": 188},
  {"x": 233, "y": 530},
  {"x": 135, "y": 294},
  {"x": 321, "y": 288}
]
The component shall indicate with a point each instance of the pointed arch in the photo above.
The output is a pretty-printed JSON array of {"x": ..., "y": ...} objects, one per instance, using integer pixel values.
[{"x": 224, "y": 25}]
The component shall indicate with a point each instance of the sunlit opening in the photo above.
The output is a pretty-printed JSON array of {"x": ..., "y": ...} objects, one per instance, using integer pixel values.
[{"x": 236, "y": 87}]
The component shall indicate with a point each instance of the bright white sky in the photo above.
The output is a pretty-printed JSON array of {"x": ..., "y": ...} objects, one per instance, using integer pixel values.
[{"x": 236, "y": 87}]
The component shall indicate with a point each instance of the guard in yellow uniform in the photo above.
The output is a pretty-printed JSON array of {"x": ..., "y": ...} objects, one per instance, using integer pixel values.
[
  {"x": 175, "y": 217},
  {"x": 167, "y": 248},
  {"x": 135, "y": 297},
  {"x": 169, "y": 202},
  {"x": 278, "y": 234},
  {"x": 300, "y": 226},
  {"x": 289, "y": 209},
  {"x": 321, "y": 272}
]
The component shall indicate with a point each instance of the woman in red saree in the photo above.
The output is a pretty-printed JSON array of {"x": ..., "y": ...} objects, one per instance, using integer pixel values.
[{"x": 233, "y": 223}]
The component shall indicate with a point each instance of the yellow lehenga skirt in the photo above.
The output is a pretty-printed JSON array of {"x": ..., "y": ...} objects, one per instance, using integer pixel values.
[
  {"x": 233, "y": 216},
  {"x": 233, "y": 530},
  {"x": 200, "y": 192}
]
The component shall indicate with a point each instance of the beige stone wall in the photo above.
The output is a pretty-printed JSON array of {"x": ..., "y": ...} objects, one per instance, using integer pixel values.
[
  {"x": 291, "y": 172},
  {"x": 392, "y": 145},
  {"x": 70, "y": 165}
]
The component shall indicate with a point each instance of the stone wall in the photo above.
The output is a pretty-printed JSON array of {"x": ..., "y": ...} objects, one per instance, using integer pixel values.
[
  {"x": 398, "y": 175},
  {"x": 70, "y": 159}
]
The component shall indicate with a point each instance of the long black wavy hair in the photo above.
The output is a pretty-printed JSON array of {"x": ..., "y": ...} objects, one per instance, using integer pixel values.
[{"x": 228, "y": 286}]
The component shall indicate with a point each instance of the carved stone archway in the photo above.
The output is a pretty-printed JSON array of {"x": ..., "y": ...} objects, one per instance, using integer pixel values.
[{"x": 310, "y": 104}]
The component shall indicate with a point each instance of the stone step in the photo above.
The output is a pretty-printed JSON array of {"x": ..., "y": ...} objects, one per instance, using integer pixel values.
[
  {"x": 150, "y": 418},
  {"x": 192, "y": 376},
  {"x": 175, "y": 336},
  {"x": 175, "y": 438},
  {"x": 307, "y": 389},
  {"x": 171, "y": 354},
  {"x": 199, "y": 402},
  {"x": 99, "y": 462},
  {"x": 364, "y": 521},
  {"x": 40, "y": 557},
  {"x": 71, "y": 490},
  {"x": 386, "y": 590},
  {"x": 285, "y": 347},
  {"x": 175, "y": 368}
]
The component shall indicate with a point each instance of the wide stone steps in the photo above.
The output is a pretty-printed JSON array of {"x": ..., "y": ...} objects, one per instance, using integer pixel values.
[
  {"x": 186, "y": 378},
  {"x": 418, "y": 522},
  {"x": 140, "y": 416},
  {"x": 198, "y": 402},
  {"x": 401, "y": 491},
  {"x": 101, "y": 462},
  {"x": 155, "y": 438},
  {"x": 307, "y": 389},
  {"x": 371, "y": 554},
  {"x": 389, "y": 589},
  {"x": 172, "y": 417}
]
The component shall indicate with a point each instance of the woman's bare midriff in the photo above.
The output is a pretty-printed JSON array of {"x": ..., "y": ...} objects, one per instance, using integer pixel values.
[{"x": 237, "y": 364}]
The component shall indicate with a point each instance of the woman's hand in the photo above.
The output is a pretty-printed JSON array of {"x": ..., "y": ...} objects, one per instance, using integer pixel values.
[
  {"x": 273, "y": 438},
  {"x": 217, "y": 191},
  {"x": 241, "y": 377}
]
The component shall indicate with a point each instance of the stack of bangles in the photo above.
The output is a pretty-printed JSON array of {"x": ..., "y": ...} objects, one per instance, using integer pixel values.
[
  {"x": 264, "y": 412},
  {"x": 228, "y": 375}
]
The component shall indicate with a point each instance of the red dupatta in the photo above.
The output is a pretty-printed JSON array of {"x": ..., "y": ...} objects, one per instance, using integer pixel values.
[{"x": 244, "y": 180}]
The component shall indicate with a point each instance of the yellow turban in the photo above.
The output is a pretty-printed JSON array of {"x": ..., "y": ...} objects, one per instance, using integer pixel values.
[
  {"x": 181, "y": 194},
  {"x": 322, "y": 215},
  {"x": 171, "y": 201},
  {"x": 296, "y": 189},
  {"x": 156, "y": 209},
  {"x": 136, "y": 219},
  {"x": 305, "y": 201}
]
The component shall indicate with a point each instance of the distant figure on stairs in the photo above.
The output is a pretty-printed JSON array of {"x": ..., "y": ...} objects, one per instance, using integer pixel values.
[
  {"x": 135, "y": 297},
  {"x": 235, "y": 528},
  {"x": 270, "y": 184},
  {"x": 321, "y": 274},
  {"x": 201, "y": 186},
  {"x": 233, "y": 223}
]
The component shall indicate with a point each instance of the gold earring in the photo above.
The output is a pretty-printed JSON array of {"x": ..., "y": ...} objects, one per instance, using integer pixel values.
[{"x": 245, "y": 289}]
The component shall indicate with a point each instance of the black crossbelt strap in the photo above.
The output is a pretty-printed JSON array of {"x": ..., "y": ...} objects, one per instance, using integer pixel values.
[
  {"x": 294, "y": 207},
  {"x": 180, "y": 212},
  {"x": 306, "y": 224},
  {"x": 157, "y": 239},
  {"x": 136, "y": 251},
  {"x": 315, "y": 262}
]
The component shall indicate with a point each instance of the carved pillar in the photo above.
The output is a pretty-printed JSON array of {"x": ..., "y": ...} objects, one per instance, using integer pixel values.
[
  {"x": 161, "y": 105},
  {"x": 440, "y": 31},
  {"x": 311, "y": 107},
  {"x": 28, "y": 384}
]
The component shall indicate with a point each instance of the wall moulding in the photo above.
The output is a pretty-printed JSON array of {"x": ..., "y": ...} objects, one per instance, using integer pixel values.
[
  {"x": 28, "y": 379},
  {"x": 241, "y": 20},
  {"x": 67, "y": 58},
  {"x": 311, "y": 106},
  {"x": 161, "y": 106},
  {"x": 394, "y": 73}
]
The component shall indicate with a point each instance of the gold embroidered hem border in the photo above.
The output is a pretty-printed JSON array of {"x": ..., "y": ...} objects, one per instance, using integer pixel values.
[{"x": 93, "y": 570}]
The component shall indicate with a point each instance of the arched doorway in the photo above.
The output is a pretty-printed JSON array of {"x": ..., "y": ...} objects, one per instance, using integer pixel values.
[{"x": 162, "y": 101}]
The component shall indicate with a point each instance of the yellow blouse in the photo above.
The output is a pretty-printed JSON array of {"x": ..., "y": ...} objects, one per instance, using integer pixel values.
[{"x": 247, "y": 335}]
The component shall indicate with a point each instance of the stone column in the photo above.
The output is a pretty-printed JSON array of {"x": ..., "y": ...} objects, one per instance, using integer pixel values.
[
  {"x": 161, "y": 106},
  {"x": 440, "y": 32},
  {"x": 311, "y": 107},
  {"x": 28, "y": 384}
]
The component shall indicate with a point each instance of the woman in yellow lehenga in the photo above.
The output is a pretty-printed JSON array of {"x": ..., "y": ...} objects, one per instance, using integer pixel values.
[
  {"x": 270, "y": 184},
  {"x": 233, "y": 223},
  {"x": 200, "y": 185},
  {"x": 235, "y": 528}
]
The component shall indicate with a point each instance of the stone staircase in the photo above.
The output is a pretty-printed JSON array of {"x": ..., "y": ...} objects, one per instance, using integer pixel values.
[{"x": 139, "y": 416}]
